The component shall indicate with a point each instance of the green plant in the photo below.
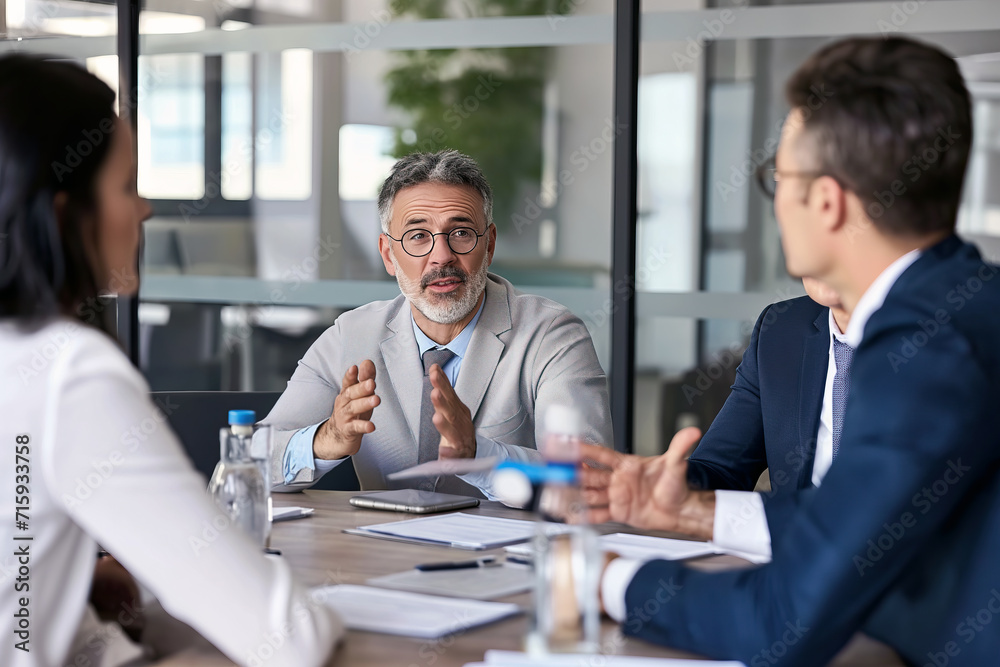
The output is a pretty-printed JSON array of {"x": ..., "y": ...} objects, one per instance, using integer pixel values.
[{"x": 487, "y": 103}]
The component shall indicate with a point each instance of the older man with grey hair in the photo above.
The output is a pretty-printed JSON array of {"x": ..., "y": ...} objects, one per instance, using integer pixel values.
[{"x": 459, "y": 366}]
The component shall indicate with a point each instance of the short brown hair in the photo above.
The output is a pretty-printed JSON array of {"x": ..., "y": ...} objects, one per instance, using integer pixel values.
[{"x": 891, "y": 121}]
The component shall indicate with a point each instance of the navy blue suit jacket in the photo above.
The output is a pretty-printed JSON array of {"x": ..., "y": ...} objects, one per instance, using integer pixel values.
[
  {"x": 771, "y": 417},
  {"x": 902, "y": 540}
]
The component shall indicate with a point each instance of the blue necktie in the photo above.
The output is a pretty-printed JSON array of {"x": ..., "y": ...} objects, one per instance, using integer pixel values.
[{"x": 843, "y": 356}]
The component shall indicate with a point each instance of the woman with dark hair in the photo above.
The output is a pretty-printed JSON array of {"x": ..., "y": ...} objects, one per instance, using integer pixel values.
[{"x": 72, "y": 406}]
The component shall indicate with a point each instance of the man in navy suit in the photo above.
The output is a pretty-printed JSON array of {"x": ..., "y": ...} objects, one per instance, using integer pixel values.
[
  {"x": 779, "y": 417},
  {"x": 901, "y": 539},
  {"x": 774, "y": 417}
]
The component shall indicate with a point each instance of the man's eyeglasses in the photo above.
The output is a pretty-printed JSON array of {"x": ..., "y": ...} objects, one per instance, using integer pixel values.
[
  {"x": 420, "y": 242},
  {"x": 768, "y": 176}
]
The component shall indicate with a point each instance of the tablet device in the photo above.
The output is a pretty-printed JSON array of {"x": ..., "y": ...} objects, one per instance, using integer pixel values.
[{"x": 413, "y": 501}]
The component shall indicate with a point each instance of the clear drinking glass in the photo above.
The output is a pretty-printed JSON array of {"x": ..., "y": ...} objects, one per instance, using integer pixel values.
[
  {"x": 566, "y": 614},
  {"x": 260, "y": 451}
]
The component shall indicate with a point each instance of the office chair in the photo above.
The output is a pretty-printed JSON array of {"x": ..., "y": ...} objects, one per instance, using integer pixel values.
[
  {"x": 197, "y": 416},
  {"x": 217, "y": 248},
  {"x": 186, "y": 351},
  {"x": 161, "y": 253}
]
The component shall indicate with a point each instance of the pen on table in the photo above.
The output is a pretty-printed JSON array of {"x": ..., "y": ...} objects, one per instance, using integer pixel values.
[{"x": 457, "y": 565}]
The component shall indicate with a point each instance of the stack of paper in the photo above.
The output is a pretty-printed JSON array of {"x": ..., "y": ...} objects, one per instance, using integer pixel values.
[
  {"x": 647, "y": 547},
  {"x": 459, "y": 530},
  {"x": 478, "y": 583},
  {"x": 514, "y": 659},
  {"x": 408, "y": 614}
]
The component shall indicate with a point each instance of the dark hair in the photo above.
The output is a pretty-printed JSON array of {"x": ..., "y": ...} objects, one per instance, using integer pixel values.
[
  {"x": 449, "y": 167},
  {"x": 890, "y": 120},
  {"x": 56, "y": 124}
]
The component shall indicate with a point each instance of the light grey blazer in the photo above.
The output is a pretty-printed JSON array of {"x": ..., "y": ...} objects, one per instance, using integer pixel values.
[{"x": 526, "y": 353}]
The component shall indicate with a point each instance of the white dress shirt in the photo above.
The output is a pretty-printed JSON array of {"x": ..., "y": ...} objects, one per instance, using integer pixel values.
[
  {"x": 104, "y": 468},
  {"x": 740, "y": 521},
  {"x": 823, "y": 457}
]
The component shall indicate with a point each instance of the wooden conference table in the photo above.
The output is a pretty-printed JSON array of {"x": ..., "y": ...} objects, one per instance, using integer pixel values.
[{"x": 320, "y": 554}]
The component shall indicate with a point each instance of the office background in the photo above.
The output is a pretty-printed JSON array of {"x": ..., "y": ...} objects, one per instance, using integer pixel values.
[{"x": 264, "y": 128}]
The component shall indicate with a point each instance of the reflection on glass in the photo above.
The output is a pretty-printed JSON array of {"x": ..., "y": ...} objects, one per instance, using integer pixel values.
[
  {"x": 237, "y": 126},
  {"x": 980, "y": 212},
  {"x": 35, "y": 18},
  {"x": 667, "y": 237},
  {"x": 284, "y": 136},
  {"x": 106, "y": 69},
  {"x": 250, "y": 187},
  {"x": 364, "y": 160},
  {"x": 683, "y": 374},
  {"x": 171, "y": 126},
  {"x": 487, "y": 103}
]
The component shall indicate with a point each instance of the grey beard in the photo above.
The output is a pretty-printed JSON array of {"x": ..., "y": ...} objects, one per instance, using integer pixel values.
[{"x": 450, "y": 309}]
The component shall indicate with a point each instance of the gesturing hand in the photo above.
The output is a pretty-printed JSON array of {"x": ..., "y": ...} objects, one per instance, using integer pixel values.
[
  {"x": 341, "y": 434},
  {"x": 452, "y": 418},
  {"x": 651, "y": 493},
  {"x": 596, "y": 471}
]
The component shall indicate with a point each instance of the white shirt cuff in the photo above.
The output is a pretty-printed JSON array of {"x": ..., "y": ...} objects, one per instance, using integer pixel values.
[
  {"x": 740, "y": 523},
  {"x": 616, "y": 579}
]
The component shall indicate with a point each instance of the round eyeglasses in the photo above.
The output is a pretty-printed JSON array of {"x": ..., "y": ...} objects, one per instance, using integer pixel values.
[{"x": 420, "y": 242}]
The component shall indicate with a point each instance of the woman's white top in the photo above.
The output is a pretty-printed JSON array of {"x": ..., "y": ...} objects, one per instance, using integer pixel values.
[{"x": 101, "y": 466}]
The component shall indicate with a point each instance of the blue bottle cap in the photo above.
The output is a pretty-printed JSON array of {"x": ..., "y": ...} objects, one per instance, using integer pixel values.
[
  {"x": 544, "y": 472},
  {"x": 242, "y": 417}
]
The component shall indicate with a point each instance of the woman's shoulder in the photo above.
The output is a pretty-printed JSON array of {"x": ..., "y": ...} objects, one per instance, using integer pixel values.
[{"x": 64, "y": 347}]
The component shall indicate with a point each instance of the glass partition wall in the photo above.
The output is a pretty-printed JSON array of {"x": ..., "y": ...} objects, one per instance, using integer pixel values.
[
  {"x": 271, "y": 126},
  {"x": 264, "y": 128},
  {"x": 711, "y": 106}
]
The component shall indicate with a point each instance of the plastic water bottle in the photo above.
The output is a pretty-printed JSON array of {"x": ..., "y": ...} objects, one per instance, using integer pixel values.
[
  {"x": 261, "y": 445},
  {"x": 238, "y": 485},
  {"x": 567, "y": 564}
]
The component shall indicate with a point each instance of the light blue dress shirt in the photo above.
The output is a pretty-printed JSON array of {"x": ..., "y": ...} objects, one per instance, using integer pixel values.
[{"x": 299, "y": 452}]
